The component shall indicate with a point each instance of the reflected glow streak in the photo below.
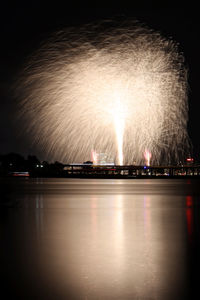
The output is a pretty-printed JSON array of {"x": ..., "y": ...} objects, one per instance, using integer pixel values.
[{"x": 118, "y": 90}]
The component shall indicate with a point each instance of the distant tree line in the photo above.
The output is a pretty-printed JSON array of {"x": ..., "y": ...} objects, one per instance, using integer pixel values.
[{"x": 13, "y": 162}]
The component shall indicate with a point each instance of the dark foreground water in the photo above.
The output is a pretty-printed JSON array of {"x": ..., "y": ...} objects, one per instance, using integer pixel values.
[{"x": 100, "y": 239}]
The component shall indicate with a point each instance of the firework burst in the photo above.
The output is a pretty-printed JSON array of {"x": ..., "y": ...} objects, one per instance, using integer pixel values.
[{"x": 114, "y": 88}]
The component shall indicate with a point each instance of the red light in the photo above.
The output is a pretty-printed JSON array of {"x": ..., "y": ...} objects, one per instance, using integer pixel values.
[
  {"x": 190, "y": 159},
  {"x": 189, "y": 201},
  {"x": 189, "y": 216}
]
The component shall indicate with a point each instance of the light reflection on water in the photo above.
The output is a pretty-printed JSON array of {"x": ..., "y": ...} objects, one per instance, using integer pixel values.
[{"x": 106, "y": 239}]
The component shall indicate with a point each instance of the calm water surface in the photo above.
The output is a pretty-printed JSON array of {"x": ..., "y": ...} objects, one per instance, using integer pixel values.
[{"x": 100, "y": 239}]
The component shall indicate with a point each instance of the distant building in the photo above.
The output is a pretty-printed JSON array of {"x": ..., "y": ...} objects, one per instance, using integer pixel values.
[
  {"x": 88, "y": 162},
  {"x": 102, "y": 158}
]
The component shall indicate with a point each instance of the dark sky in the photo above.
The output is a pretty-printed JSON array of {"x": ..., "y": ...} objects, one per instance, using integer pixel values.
[{"x": 24, "y": 27}]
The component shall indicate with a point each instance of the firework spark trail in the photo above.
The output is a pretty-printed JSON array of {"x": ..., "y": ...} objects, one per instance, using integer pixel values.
[{"x": 120, "y": 89}]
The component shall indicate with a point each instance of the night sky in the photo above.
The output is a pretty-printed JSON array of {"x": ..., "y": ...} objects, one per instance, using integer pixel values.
[{"x": 23, "y": 28}]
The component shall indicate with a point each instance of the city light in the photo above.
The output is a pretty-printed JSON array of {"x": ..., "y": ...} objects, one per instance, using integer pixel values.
[{"x": 190, "y": 159}]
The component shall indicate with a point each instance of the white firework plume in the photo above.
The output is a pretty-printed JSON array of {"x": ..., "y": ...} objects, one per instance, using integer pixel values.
[{"x": 116, "y": 88}]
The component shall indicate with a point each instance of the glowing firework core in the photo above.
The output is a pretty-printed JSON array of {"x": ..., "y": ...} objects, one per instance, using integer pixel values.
[
  {"x": 94, "y": 157},
  {"x": 119, "y": 117},
  {"x": 120, "y": 91},
  {"x": 147, "y": 156}
]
